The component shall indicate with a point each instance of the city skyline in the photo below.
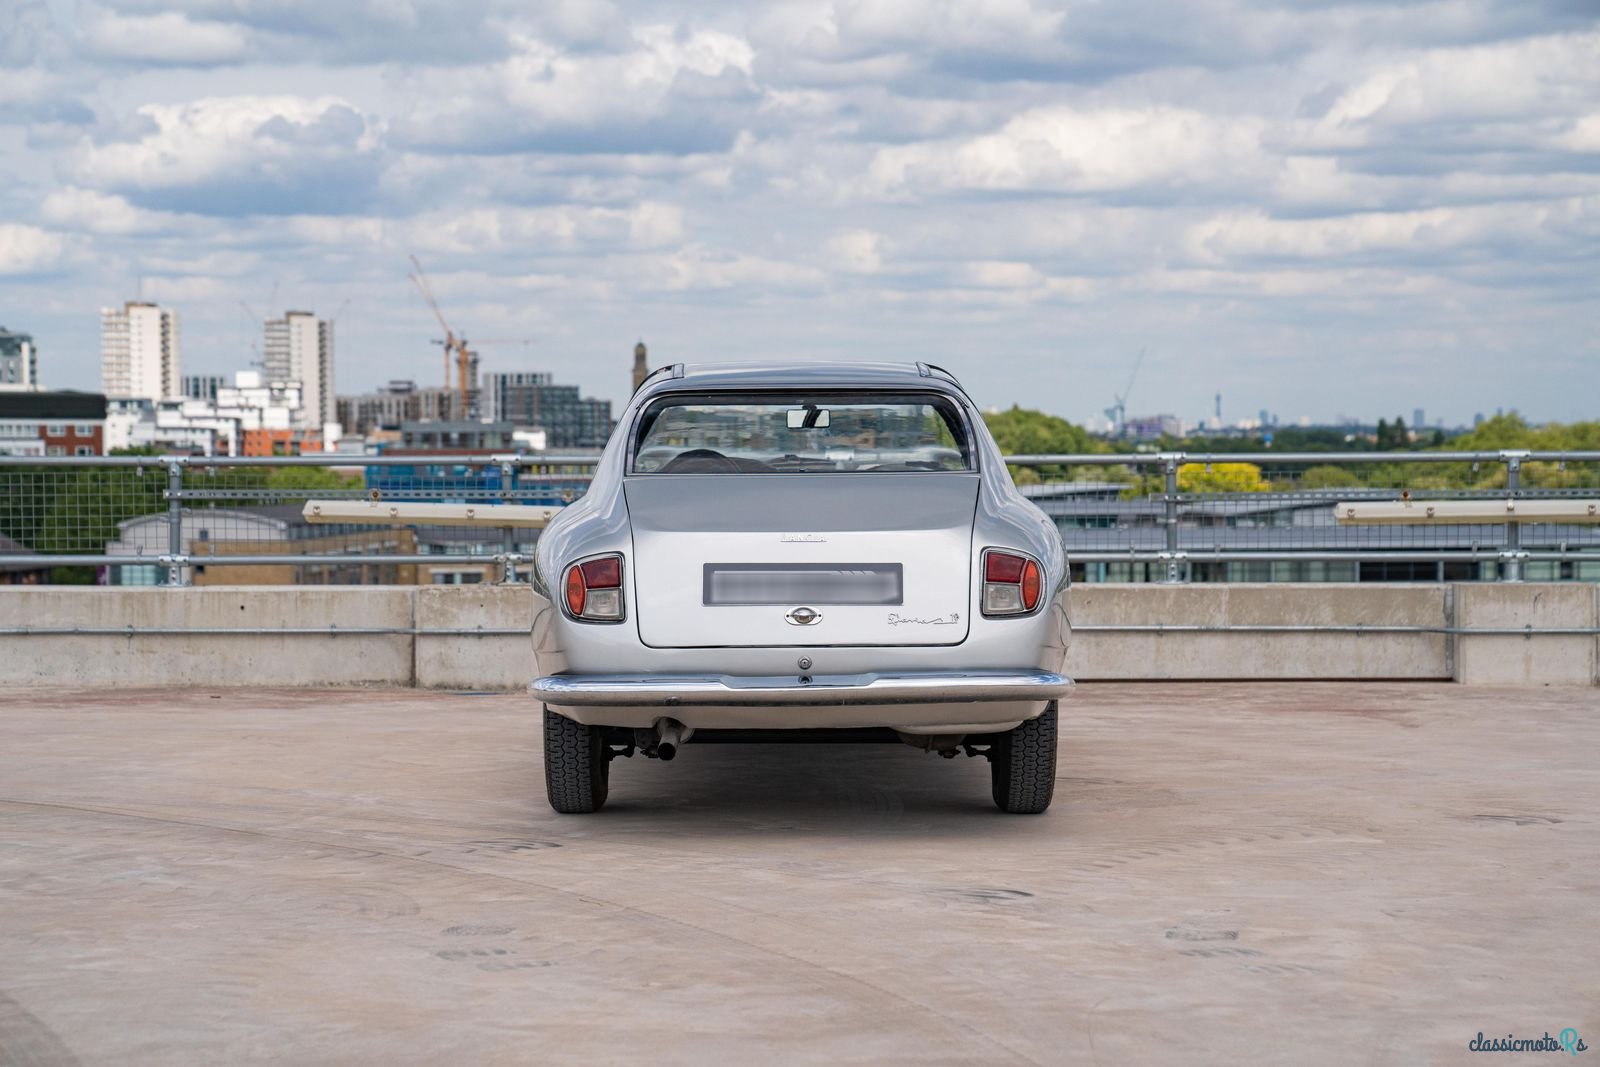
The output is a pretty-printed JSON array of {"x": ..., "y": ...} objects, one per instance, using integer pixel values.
[
  {"x": 278, "y": 329},
  {"x": 1309, "y": 208}
]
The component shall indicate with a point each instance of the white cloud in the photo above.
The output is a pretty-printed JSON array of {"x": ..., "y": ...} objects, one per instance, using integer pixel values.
[
  {"x": 1393, "y": 285},
  {"x": 1515, "y": 81},
  {"x": 220, "y": 264},
  {"x": 1068, "y": 150},
  {"x": 1001, "y": 274},
  {"x": 345, "y": 231},
  {"x": 84, "y": 209},
  {"x": 205, "y": 32},
  {"x": 167, "y": 37},
  {"x": 535, "y": 232},
  {"x": 856, "y": 251},
  {"x": 665, "y": 92},
  {"x": 225, "y": 155},
  {"x": 31, "y": 250},
  {"x": 1253, "y": 235},
  {"x": 1583, "y": 135},
  {"x": 699, "y": 267},
  {"x": 854, "y": 29},
  {"x": 188, "y": 288}
]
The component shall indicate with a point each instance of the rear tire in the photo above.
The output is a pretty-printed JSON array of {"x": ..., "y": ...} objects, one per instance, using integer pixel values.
[
  {"x": 1022, "y": 765},
  {"x": 576, "y": 765}
]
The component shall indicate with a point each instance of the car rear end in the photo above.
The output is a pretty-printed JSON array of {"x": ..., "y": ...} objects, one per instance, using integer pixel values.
[{"x": 791, "y": 556}]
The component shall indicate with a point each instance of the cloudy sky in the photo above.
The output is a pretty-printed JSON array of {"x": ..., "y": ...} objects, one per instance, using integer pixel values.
[{"x": 1319, "y": 208}]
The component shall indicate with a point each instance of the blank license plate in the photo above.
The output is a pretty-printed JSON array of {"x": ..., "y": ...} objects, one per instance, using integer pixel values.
[{"x": 803, "y": 583}]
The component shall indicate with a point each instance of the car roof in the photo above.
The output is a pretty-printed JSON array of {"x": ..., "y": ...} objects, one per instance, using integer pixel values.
[{"x": 790, "y": 373}]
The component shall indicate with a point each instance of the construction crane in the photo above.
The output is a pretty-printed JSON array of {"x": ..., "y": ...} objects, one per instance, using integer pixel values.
[
  {"x": 457, "y": 351},
  {"x": 1118, "y": 412},
  {"x": 455, "y": 348},
  {"x": 255, "y": 323}
]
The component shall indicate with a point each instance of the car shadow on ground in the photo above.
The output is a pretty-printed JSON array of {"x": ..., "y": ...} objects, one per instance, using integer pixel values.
[{"x": 854, "y": 788}]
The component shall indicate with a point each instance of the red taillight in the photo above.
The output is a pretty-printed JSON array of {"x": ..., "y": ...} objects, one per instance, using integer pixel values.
[
  {"x": 1003, "y": 568},
  {"x": 603, "y": 573},
  {"x": 594, "y": 589},
  {"x": 1012, "y": 584}
]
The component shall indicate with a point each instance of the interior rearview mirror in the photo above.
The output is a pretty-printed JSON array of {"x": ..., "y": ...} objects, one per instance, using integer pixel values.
[{"x": 808, "y": 418}]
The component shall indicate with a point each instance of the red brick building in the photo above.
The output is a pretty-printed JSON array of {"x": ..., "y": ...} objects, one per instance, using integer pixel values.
[{"x": 52, "y": 424}]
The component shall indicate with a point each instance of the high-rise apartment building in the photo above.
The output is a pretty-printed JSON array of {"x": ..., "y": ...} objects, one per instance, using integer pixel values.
[
  {"x": 568, "y": 419},
  {"x": 299, "y": 348},
  {"x": 19, "y": 361},
  {"x": 140, "y": 354},
  {"x": 398, "y": 402},
  {"x": 496, "y": 384}
]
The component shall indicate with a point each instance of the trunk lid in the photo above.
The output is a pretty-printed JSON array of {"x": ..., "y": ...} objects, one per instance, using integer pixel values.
[{"x": 726, "y": 560}]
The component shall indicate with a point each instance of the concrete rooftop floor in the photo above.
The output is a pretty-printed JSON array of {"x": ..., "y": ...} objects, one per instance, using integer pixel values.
[{"x": 1306, "y": 873}]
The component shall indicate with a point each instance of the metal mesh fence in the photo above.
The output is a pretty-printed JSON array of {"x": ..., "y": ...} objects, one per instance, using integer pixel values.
[
  {"x": 240, "y": 524},
  {"x": 1129, "y": 519},
  {"x": 1228, "y": 518},
  {"x": 1237, "y": 506}
]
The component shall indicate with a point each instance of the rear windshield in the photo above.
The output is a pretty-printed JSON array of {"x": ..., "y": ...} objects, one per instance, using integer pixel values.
[{"x": 801, "y": 433}]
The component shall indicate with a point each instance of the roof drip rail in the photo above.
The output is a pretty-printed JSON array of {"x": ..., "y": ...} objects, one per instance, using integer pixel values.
[
  {"x": 673, "y": 370},
  {"x": 927, "y": 370}
]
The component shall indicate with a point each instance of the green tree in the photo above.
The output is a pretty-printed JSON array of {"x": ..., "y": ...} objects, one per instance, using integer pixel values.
[
  {"x": 1511, "y": 431},
  {"x": 1326, "y": 476},
  {"x": 1020, "y": 431},
  {"x": 289, "y": 479}
]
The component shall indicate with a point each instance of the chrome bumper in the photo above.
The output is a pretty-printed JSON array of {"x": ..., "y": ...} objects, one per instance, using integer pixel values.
[{"x": 823, "y": 690}]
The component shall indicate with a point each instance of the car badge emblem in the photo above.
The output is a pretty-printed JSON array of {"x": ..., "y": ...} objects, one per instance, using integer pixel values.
[
  {"x": 803, "y": 616},
  {"x": 802, "y": 539}
]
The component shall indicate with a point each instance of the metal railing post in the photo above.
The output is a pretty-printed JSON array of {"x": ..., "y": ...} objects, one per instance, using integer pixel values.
[
  {"x": 508, "y": 482},
  {"x": 1512, "y": 569},
  {"x": 175, "y": 572},
  {"x": 1177, "y": 568}
]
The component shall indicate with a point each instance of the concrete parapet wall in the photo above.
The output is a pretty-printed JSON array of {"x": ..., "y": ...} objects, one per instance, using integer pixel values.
[
  {"x": 1112, "y": 654},
  {"x": 145, "y": 655},
  {"x": 1541, "y": 659},
  {"x": 493, "y": 662},
  {"x": 208, "y": 636}
]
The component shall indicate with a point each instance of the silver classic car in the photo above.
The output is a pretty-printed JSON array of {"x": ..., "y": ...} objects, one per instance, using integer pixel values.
[{"x": 768, "y": 551}]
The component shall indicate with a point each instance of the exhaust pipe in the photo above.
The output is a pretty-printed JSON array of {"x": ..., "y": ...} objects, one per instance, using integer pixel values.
[{"x": 670, "y": 734}]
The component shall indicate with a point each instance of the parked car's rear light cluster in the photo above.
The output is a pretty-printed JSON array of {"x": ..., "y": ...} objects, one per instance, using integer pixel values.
[
  {"x": 594, "y": 589},
  {"x": 1011, "y": 583}
]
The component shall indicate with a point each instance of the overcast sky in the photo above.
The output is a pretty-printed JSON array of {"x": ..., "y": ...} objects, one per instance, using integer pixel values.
[{"x": 1319, "y": 208}]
